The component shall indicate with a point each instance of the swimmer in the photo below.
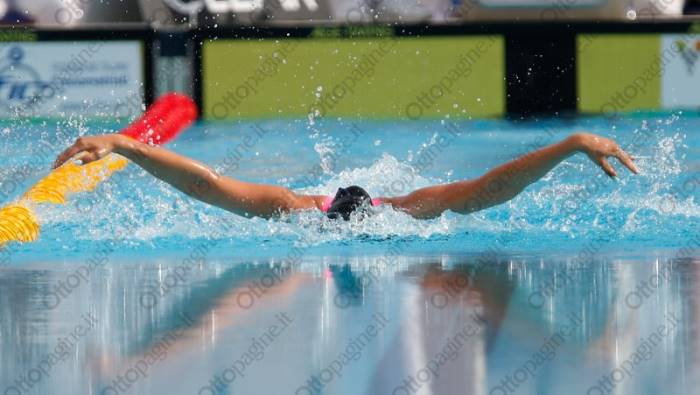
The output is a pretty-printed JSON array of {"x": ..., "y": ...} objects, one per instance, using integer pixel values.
[{"x": 258, "y": 200}]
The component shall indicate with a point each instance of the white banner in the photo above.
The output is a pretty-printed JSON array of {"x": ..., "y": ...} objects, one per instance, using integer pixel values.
[
  {"x": 561, "y": 4},
  {"x": 680, "y": 84},
  {"x": 63, "y": 79}
]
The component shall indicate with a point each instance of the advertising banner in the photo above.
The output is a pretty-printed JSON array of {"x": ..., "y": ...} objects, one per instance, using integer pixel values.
[
  {"x": 623, "y": 72},
  {"x": 541, "y": 3},
  {"x": 378, "y": 77},
  {"x": 241, "y": 12},
  {"x": 681, "y": 77},
  {"x": 56, "y": 79}
]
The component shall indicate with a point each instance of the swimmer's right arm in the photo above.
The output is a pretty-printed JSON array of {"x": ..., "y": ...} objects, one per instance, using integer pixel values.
[
  {"x": 506, "y": 181},
  {"x": 193, "y": 178}
]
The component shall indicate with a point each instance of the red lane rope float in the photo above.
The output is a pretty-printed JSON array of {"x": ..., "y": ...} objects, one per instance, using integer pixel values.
[
  {"x": 164, "y": 120},
  {"x": 161, "y": 123}
]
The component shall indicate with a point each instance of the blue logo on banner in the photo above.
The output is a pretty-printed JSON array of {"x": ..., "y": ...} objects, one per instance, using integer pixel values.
[{"x": 20, "y": 84}]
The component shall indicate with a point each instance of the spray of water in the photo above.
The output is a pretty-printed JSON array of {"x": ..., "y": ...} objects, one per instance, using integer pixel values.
[{"x": 575, "y": 201}]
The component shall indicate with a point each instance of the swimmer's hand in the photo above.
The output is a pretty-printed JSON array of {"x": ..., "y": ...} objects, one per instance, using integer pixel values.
[
  {"x": 599, "y": 149},
  {"x": 88, "y": 149}
]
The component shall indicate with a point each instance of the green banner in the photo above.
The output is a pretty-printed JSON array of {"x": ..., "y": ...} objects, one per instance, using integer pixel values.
[
  {"x": 389, "y": 77},
  {"x": 618, "y": 72}
]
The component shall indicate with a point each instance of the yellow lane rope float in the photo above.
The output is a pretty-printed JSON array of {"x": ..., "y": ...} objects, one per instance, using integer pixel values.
[
  {"x": 18, "y": 222},
  {"x": 162, "y": 122},
  {"x": 73, "y": 178}
]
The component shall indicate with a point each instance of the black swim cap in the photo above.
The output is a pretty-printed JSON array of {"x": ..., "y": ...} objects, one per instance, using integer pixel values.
[{"x": 348, "y": 200}]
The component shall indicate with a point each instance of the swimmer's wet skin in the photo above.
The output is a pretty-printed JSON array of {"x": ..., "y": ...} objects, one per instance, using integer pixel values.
[{"x": 250, "y": 200}]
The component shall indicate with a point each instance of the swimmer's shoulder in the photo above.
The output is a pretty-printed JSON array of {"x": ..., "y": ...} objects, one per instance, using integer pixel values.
[{"x": 319, "y": 202}]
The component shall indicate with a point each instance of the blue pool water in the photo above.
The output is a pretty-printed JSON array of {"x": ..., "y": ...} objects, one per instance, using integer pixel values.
[{"x": 558, "y": 291}]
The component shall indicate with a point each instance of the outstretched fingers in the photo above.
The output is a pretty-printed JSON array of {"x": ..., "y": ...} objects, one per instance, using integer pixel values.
[
  {"x": 626, "y": 160},
  {"x": 86, "y": 157},
  {"x": 67, "y": 154},
  {"x": 606, "y": 166},
  {"x": 622, "y": 156}
]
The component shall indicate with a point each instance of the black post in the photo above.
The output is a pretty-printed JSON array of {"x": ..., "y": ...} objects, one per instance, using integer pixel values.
[{"x": 540, "y": 73}]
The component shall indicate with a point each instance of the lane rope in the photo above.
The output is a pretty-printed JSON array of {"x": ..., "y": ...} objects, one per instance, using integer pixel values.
[{"x": 162, "y": 122}]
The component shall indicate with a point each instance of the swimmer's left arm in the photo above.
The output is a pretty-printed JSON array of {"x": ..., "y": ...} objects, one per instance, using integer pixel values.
[
  {"x": 193, "y": 178},
  {"x": 508, "y": 180}
]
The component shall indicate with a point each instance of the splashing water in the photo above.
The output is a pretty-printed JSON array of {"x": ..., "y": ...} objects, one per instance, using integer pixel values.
[{"x": 573, "y": 206}]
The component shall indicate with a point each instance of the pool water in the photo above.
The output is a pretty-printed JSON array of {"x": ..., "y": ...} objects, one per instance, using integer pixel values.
[{"x": 581, "y": 284}]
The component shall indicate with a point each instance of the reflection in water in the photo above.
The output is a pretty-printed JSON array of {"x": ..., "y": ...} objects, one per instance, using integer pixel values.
[{"x": 354, "y": 325}]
